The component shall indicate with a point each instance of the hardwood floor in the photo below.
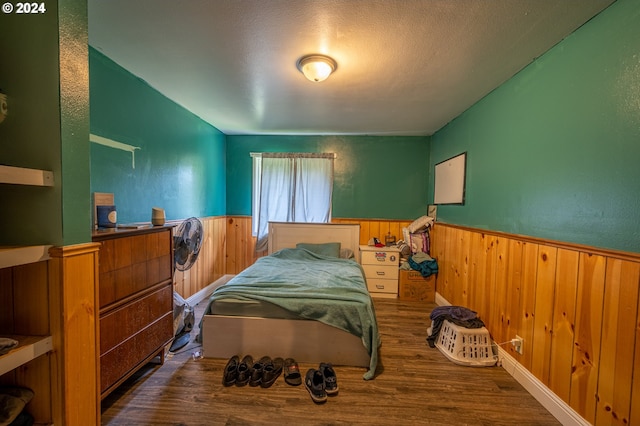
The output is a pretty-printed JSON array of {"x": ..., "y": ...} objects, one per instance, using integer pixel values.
[{"x": 415, "y": 384}]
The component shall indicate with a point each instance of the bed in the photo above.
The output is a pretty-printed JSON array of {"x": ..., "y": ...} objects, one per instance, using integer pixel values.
[{"x": 297, "y": 302}]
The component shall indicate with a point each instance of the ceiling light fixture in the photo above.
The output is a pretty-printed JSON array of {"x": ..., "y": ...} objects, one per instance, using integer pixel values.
[{"x": 316, "y": 67}]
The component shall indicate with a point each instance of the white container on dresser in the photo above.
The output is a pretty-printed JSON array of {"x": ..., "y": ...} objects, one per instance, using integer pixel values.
[{"x": 380, "y": 266}]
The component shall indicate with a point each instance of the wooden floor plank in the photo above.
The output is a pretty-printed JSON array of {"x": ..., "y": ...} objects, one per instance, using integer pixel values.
[{"x": 415, "y": 384}]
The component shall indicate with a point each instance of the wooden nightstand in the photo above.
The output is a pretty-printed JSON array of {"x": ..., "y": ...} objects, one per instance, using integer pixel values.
[{"x": 380, "y": 266}]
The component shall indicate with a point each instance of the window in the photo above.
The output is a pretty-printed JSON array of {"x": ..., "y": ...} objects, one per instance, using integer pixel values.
[{"x": 290, "y": 187}]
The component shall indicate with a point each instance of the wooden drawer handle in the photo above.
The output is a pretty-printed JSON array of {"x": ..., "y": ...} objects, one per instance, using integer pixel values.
[
  {"x": 380, "y": 273},
  {"x": 379, "y": 286}
]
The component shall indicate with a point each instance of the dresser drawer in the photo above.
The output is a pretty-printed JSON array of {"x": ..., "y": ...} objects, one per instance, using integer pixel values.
[
  {"x": 379, "y": 258},
  {"x": 119, "y": 325},
  {"x": 380, "y": 271},
  {"x": 377, "y": 285}
]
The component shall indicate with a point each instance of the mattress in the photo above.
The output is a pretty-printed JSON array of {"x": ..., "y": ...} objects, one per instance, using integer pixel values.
[{"x": 249, "y": 308}]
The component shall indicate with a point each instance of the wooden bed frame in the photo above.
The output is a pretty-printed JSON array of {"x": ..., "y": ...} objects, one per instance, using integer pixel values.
[{"x": 305, "y": 341}]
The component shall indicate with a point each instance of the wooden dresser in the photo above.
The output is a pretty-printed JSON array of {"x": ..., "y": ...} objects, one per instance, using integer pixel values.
[
  {"x": 380, "y": 266},
  {"x": 136, "y": 300}
]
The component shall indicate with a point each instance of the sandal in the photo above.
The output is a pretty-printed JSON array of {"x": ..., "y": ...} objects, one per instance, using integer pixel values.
[{"x": 292, "y": 372}]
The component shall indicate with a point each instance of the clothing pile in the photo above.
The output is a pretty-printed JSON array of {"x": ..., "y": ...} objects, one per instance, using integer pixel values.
[
  {"x": 423, "y": 263},
  {"x": 458, "y": 315},
  {"x": 13, "y": 400},
  {"x": 416, "y": 246}
]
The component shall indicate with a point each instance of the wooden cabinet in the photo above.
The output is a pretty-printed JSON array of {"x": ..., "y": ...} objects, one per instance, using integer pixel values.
[
  {"x": 136, "y": 300},
  {"x": 24, "y": 316},
  {"x": 380, "y": 266}
]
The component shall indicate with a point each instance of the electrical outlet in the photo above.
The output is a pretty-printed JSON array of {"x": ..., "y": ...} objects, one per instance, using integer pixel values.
[{"x": 517, "y": 344}]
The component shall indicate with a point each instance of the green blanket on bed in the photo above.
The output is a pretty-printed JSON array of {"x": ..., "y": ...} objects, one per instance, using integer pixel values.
[{"x": 326, "y": 289}]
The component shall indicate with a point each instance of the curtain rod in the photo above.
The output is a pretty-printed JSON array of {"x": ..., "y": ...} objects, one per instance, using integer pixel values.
[{"x": 295, "y": 154}]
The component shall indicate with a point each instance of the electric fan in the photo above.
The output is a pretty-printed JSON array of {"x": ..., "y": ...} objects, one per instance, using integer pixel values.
[{"x": 187, "y": 241}]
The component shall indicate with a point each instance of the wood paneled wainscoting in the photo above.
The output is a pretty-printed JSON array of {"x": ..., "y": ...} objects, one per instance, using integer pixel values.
[
  {"x": 211, "y": 263},
  {"x": 576, "y": 308},
  {"x": 241, "y": 244}
]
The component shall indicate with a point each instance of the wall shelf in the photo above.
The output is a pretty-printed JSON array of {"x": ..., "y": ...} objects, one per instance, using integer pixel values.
[
  {"x": 24, "y": 176},
  {"x": 14, "y": 256},
  {"x": 29, "y": 348}
]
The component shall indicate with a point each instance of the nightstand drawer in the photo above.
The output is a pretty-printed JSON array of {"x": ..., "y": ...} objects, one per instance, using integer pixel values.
[
  {"x": 380, "y": 266},
  {"x": 376, "y": 285},
  {"x": 381, "y": 271},
  {"x": 380, "y": 258}
]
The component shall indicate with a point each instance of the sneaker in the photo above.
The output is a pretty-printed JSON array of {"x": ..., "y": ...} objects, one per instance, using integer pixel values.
[
  {"x": 330, "y": 378},
  {"x": 314, "y": 382}
]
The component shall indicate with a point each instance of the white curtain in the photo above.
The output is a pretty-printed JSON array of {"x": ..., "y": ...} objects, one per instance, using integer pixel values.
[{"x": 294, "y": 187}]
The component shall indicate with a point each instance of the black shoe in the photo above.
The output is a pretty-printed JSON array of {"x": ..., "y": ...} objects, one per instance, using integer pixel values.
[
  {"x": 271, "y": 372},
  {"x": 231, "y": 371},
  {"x": 314, "y": 382},
  {"x": 257, "y": 369},
  {"x": 244, "y": 370},
  {"x": 330, "y": 378}
]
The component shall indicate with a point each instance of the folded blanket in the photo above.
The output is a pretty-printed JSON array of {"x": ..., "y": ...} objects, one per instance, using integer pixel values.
[{"x": 7, "y": 344}]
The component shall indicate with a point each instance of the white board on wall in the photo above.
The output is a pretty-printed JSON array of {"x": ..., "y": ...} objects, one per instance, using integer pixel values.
[{"x": 450, "y": 176}]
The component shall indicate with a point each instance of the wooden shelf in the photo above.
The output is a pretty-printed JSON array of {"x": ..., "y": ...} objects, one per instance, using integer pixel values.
[
  {"x": 23, "y": 176},
  {"x": 14, "y": 256},
  {"x": 29, "y": 347}
]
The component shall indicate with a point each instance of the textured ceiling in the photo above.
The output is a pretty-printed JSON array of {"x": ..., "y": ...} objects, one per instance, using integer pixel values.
[{"x": 404, "y": 67}]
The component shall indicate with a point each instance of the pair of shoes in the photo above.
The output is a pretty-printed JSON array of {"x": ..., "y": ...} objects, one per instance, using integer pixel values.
[
  {"x": 271, "y": 371},
  {"x": 256, "y": 371},
  {"x": 266, "y": 371},
  {"x": 292, "y": 372},
  {"x": 263, "y": 372},
  {"x": 321, "y": 382}
]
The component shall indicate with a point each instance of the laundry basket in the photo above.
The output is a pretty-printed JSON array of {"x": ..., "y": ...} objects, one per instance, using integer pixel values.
[{"x": 466, "y": 346}]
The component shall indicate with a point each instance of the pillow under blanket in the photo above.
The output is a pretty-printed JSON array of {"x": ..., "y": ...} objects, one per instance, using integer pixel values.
[{"x": 323, "y": 249}]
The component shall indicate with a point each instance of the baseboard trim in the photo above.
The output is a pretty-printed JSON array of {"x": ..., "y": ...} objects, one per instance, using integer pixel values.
[
  {"x": 441, "y": 301},
  {"x": 203, "y": 294},
  {"x": 559, "y": 409},
  {"x": 549, "y": 400}
]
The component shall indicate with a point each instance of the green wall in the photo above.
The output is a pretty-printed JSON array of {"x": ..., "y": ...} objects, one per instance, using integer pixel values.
[
  {"x": 181, "y": 164},
  {"x": 74, "y": 120},
  {"x": 44, "y": 74},
  {"x": 377, "y": 177},
  {"x": 555, "y": 151}
]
